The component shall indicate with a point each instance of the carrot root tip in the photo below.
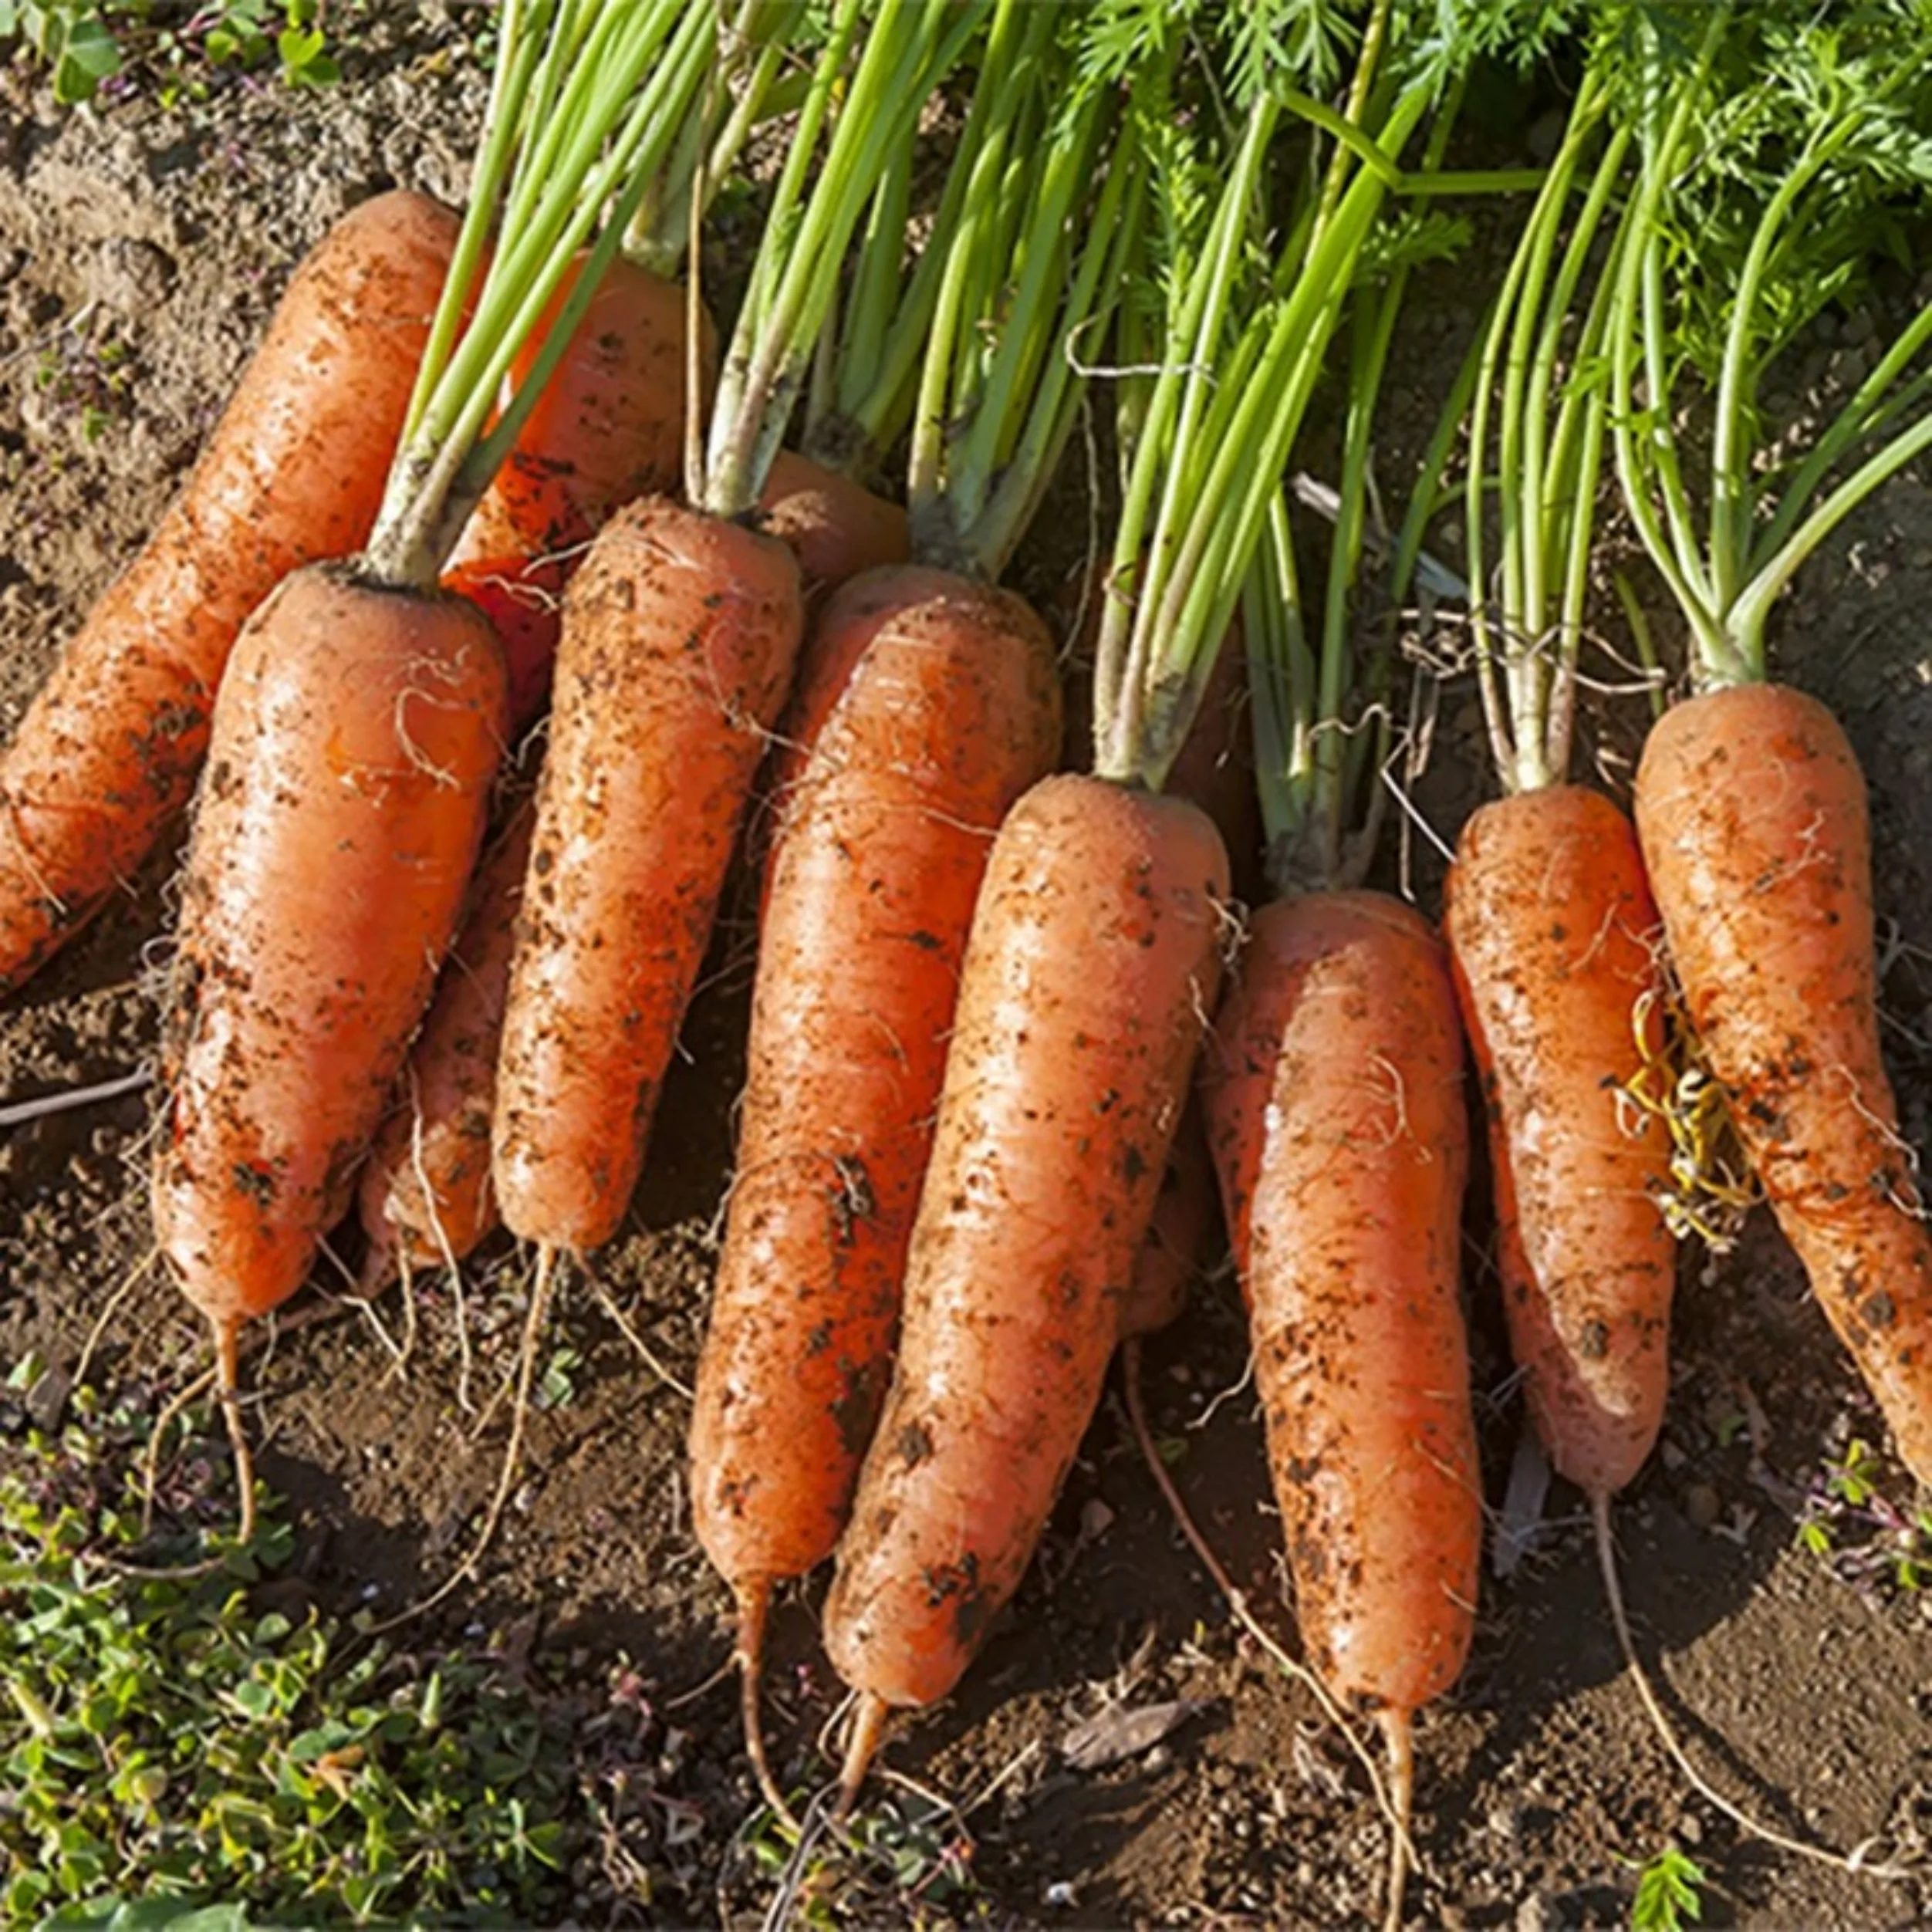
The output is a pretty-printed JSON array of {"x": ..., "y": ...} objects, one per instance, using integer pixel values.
[
  {"x": 1398, "y": 1730},
  {"x": 868, "y": 1729},
  {"x": 753, "y": 1603}
]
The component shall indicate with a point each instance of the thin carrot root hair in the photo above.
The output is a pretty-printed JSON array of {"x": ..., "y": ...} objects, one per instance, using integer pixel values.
[
  {"x": 625, "y": 1327},
  {"x": 1854, "y": 1861},
  {"x": 1398, "y": 1728},
  {"x": 753, "y": 1604},
  {"x": 110, "y": 1309},
  {"x": 868, "y": 1730},
  {"x": 533, "y": 1323},
  {"x": 151, "y": 1464},
  {"x": 1393, "y": 1803}
]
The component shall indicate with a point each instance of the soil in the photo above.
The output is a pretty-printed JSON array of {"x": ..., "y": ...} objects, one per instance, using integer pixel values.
[{"x": 140, "y": 248}]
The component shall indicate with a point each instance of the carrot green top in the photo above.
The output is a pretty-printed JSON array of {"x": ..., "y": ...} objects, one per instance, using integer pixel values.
[
  {"x": 1249, "y": 307},
  {"x": 904, "y": 49},
  {"x": 1777, "y": 141},
  {"x": 585, "y": 103},
  {"x": 1536, "y": 434},
  {"x": 1046, "y": 192}
]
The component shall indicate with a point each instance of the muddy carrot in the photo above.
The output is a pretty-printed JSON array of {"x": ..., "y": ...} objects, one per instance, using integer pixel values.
[
  {"x": 928, "y": 704},
  {"x": 108, "y": 752},
  {"x": 355, "y": 740}
]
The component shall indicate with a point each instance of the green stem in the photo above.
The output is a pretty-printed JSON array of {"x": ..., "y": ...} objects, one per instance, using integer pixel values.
[
  {"x": 910, "y": 44},
  {"x": 617, "y": 132}
]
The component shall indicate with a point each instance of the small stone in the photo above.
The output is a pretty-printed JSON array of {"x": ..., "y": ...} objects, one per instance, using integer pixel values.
[
  {"x": 1702, "y": 1504},
  {"x": 1532, "y": 1915}
]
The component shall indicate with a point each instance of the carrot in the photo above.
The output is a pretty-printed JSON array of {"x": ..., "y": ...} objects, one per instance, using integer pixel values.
[
  {"x": 1333, "y": 1094},
  {"x": 108, "y": 750},
  {"x": 358, "y": 732},
  {"x": 928, "y": 703},
  {"x": 1751, "y": 811},
  {"x": 835, "y": 526},
  {"x": 609, "y": 426},
  {"x": 679, "y": 630},
  {"x": 1093, "y": 955},
  {"x": 424, "y": 1198},
  {"x": 354, "y": 744},
  {"x": 1547, "y": 910}
]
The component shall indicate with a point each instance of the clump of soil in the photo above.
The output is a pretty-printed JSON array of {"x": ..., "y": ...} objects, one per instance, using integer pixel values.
[{"x": 139, "y": 252}]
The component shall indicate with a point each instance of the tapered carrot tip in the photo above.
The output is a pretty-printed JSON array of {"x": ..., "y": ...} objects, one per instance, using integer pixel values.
[
  {"x": 754, "y": 1600},
  {"x": 227, "y": 1391},
  {"x": 868, "y": 1729},
  {"x": 1398, "y": 1729}
]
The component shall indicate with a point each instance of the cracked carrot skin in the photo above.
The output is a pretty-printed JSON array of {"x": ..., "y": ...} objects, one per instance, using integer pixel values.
[
  {"x": 1333, "y": 1088},
  {"x": 354, "y": 745},
  {"x": 1751, "y": 811},
  {"x": 294, "y": 472},
  {"x": 680, "y": 631},
  {"x": 1092, "y": 957},
  {"x": 1553, "y": 936},
  {"x": 946, "y": 708},
  {"x": 608, "y": 427}
]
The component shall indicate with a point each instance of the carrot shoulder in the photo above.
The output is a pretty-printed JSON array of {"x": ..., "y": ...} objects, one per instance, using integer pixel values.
[
  {"x": 1092, "y": 957},
  {"x": 107, "y": 752},
  {"x": 1333, "y": 1088},
  {"x": 1553, "y": 936},
  {"x": 1752, "y": 814}
]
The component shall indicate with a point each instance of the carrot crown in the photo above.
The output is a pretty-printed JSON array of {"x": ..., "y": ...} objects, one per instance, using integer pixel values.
[
  {"x": 909, "y": 46},
  {"x": 585, "y": 104},
  {"x": 1775, "y": 146}
]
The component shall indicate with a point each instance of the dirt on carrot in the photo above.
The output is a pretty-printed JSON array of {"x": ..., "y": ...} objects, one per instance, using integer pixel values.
[{"x": 1541, "y": 1774}]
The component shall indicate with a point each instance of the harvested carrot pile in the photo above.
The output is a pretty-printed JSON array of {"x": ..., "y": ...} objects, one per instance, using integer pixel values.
[{"x": 1036, "y": 894}]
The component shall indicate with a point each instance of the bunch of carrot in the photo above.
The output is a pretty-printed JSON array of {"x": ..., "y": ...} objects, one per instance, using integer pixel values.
[{"x": 982, "y": 990}]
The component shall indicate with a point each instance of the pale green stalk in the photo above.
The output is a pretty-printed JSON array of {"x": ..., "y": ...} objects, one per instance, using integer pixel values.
[{"x": 576, "y": 137}]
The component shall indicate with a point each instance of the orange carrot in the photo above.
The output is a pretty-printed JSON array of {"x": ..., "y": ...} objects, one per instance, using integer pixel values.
[
  {"x": 294, "y": 471},
  {"x": 425, "y": 1197},
  {"x": 1751, "y": 811},
  {"x": 949, "y": 710},
  {"x": 610, "y": 426},
  {"x": 354, "y": 744},
  {"x": 1552, "y": 928},
  {"x": 1092, "y": 957},
  {"x": 680, "y": 631},
  {"x": 1333, "y": 1092},
  {"x": 836, "y": 525}
]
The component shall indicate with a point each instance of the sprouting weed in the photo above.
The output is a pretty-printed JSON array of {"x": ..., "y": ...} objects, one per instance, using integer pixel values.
[
  {"x": 1863, "y": 1538},
  {"x": 1669, "y": 1892},
  {"x": 1711, "y": 1186}
]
